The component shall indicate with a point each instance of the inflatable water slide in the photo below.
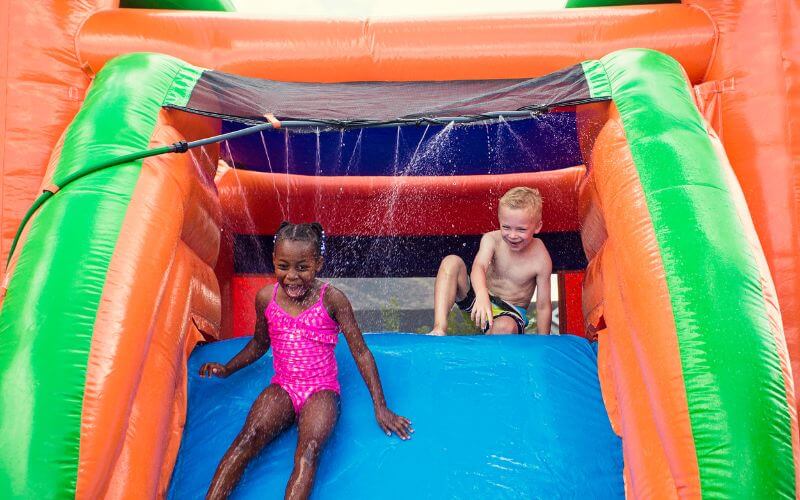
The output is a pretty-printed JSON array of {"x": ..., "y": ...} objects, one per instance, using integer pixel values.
[{"x": 150, "y": 150}]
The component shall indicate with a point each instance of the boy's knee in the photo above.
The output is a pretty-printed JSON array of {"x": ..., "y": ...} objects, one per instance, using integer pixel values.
[
  {"x": 452, "y": 263},
  {"x": 503, "y": 325}
]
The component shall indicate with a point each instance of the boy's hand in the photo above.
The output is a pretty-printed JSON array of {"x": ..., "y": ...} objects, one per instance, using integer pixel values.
[
  {"x": 482, "y": 312},
  {"x": 213, "y": 370},
  {"x": 391, "y": 422}
]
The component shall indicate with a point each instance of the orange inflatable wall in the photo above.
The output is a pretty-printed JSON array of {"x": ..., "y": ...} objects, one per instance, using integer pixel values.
[{"x": 743, "y": 57}]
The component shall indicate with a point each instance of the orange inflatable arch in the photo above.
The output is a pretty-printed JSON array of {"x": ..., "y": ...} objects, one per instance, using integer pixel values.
[{"x": 684, "y": 185}]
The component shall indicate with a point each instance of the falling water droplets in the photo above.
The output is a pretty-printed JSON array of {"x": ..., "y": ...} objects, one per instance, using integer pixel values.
[
  {"x": 318, "y": 208},
  {"x": 415, "y": 152},
  {"x": 286, "y": 155},
  {"x": 278, "y": 197},
  {"x": 248, "y": 227}
]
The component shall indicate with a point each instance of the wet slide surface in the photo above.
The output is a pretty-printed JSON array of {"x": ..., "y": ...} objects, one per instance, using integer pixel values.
[{"x": 495, "y": 417}]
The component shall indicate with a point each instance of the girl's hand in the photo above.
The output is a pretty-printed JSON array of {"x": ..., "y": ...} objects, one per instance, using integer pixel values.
[
  {"x": 391, "y": 422},
  {"x": 213, "y": 370}
]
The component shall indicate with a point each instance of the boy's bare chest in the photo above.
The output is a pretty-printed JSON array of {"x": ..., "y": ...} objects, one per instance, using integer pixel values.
[{"x": 514, "y": 268}]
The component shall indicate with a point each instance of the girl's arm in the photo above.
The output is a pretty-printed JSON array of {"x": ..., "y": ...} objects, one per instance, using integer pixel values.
[
  {"x": 342, "y": 313},
  {"x": 257, "y": 347}
]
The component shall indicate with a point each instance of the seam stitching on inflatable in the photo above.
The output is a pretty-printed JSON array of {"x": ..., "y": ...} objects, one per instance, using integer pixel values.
[{"x": 713, "y": 55}]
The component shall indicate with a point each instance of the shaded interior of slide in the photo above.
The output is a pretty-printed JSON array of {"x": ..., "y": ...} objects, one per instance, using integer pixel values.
[{"x": 494, "y": 417}]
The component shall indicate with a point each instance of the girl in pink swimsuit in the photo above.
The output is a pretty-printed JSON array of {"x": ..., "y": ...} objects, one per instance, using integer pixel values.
[{"x": 300, "y": 317}]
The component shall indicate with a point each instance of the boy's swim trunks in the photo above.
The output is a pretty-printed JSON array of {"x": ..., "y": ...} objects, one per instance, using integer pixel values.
[{"x": 499, "y": 308}]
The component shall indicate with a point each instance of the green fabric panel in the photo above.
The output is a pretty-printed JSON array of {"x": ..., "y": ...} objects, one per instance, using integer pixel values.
[
  {"x": 47, "y": 319},
  {"x": 734, "y": 384},
  {"x": 211, "y": 5},
  {"x": 572, "y": 4},
  {"x": 181, "y": 90},
  {"x": 596, "y": 77}
]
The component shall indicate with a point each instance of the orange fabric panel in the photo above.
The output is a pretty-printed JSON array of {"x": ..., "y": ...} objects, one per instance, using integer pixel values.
[
  {"x": 147, "y": 243},
  {"x": 126, "y": 328},
  {"x": 647, "y": 468},
  {"x": 592, "y": 296},
  {"x": 224, "y": 271},
  {"x": 203, "y": 213},
  {"x": 593, "y": 227},
  {"x": 707, "y": 98},
  {"x": 590, "y": 119},
  {"x": 180, "y": 404},
  {"x": 194, "y": 127},
  {"x": 201, "y": 204},
  {"x": 41, "y": 89},
  {"x": 758, "y": 54},
  {"x": 151, "y": 408},
  {"x": 156, "y": 419},
  {"x": 789, "y": 19},
  {"x": 608, "y": 386},
  {"x": 254, "y": 202},
  {"x": 194, "y": 173},
  {"x": 520, "y": 46},
  {"x": 640, "y": 337}
]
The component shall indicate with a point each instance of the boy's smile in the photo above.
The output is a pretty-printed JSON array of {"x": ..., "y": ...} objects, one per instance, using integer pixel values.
[{"x": 517, "y": 227}]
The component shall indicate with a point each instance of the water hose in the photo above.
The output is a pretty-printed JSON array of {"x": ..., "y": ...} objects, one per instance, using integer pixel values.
[
  {"x": 183, "y": 146},
  {"x": 178, "y": 147}
]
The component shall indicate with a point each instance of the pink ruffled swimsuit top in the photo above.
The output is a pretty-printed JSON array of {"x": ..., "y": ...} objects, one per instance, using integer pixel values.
[{"x": 303, "y": 349}]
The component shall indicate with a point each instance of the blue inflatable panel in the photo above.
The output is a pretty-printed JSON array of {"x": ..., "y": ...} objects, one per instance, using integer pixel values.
[
  {"x": 546, "y": 142},
  {"x": 495, "y": 417}
]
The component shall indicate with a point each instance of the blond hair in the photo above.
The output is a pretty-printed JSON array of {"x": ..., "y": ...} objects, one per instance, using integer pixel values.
[{"x": 524, "y": 197}]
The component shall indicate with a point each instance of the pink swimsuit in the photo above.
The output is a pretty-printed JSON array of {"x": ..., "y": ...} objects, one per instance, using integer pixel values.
[{"x": 303, "y": 349}]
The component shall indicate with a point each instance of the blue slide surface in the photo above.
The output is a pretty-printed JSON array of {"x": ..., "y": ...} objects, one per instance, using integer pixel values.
[{"x": 495, "y": 417}]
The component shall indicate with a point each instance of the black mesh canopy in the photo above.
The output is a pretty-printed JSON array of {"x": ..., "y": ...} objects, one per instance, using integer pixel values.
[{"x": 249, "y": 99}]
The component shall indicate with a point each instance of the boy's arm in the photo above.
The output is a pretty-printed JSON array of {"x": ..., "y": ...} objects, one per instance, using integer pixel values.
[
  {"x": 344, "y": 316},
  {"x": 482, "y": 310},
  {"x": 257, "y": 347},
  {"x": 544, "y": 307}
]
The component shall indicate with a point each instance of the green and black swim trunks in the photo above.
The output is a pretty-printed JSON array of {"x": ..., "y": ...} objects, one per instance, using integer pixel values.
[{"x": 499, "y": 308}]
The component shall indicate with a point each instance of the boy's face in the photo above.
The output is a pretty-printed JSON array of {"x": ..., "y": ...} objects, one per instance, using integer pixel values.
[{"x": 517, "y": 227}]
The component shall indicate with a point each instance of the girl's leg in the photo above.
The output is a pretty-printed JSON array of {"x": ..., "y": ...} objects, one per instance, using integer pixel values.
[
  {"x": 317, "y": 419},
  {"x": 451, "y": 285},
  {"x": 271, "y": 414}
]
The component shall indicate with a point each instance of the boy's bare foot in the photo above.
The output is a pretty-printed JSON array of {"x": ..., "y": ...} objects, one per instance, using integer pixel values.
[{"x": 439, "y": 332}]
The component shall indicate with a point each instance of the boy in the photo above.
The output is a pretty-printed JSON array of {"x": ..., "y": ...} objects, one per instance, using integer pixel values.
[{"x": 509, "y": 266}]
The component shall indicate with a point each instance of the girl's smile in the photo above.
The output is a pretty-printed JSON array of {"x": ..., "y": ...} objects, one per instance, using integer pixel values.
[
  {"x": 296, "y": 292},
  {"x": 296, "y": 266}
]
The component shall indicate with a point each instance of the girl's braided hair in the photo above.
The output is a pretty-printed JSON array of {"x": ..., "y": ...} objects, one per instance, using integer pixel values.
[{"x": 311, "y": 232}]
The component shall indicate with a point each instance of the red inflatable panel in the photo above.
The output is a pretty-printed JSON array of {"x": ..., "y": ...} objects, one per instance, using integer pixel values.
[{"x": 256, "y": 203}]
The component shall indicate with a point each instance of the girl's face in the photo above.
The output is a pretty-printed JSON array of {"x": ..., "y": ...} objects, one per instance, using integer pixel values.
[{"x": 296, "y": 266}]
